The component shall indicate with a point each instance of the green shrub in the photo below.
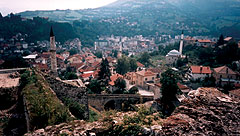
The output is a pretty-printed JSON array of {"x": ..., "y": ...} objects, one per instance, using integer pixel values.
[
  {"x": 44, "y": 107},
  {"x": 78, "y": 110}
]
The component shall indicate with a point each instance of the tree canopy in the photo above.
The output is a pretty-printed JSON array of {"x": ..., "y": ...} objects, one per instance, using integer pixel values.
[
  {"x": 119, "y": 86},
  {"x": 145, "y": 59},
  {"x": 169, "y": 89},
  {"x": 104, "y": 73}
]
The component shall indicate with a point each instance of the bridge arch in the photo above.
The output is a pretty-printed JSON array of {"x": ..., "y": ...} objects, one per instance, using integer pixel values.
[{"x": 110, "y": 105}]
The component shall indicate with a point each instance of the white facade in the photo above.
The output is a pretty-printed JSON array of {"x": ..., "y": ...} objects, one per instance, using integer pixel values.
[
  {"x": 199, "y": 76},
  {"x": 172, "y": 57}
]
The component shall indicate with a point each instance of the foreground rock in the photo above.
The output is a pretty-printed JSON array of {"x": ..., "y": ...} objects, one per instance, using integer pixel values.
[{"x": 207, "y": 111}]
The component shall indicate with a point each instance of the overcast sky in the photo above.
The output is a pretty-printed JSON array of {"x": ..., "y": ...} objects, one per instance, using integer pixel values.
[{"x": 15, "y": 6}]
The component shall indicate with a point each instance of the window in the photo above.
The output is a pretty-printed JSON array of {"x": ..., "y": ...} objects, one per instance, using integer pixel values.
[
  {"x": 152, "y": 78},
  {"x": 145, "y": 79}
]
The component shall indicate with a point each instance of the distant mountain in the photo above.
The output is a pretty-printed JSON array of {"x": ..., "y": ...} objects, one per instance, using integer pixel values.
[{"x": 206, "y": 17}]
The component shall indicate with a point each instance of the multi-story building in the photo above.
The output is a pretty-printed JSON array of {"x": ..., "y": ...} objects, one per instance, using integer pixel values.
[
  {"x": 199, "y": 72},
  {"x": 143, "y": 77},
  {"x": 224, "y": 75}
]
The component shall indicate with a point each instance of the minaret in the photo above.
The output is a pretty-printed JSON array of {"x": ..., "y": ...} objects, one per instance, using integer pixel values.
[
  {"x": 53, "y": 53},
  {"x": 120, "y": 50},
  {"x": 79, "y": 46},
  {"x": 181, "y": 44},
  {"x": 95, "y": 46}
]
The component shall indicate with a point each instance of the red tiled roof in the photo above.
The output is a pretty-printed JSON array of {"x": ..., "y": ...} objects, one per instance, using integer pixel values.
[
  {"x": 59, "y": 57},
  {"x": 189, "y": 39},
  {"x": 145, "y": 73},
  {"x": 77, "y": 65},
  {"x": 201, "y": 70},
  {"x": 86, "y": 75},
  {"x": 140, "y": 64},
  {"x": 155, "y": 70},
  {"x": 182, "y": 87},
  {"x": 227, "y": 38},
  {"x": 95, "y": 64},
  {"x": 45, "y": 54},
  {"x": 204, "y": 40},
  {"x": 42, "y": 66},
  {"x": 114, "y": 78},
  {"x": 224, "y": 70}
]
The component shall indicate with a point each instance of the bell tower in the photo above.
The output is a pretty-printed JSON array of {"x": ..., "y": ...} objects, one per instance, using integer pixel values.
[{"x": 53, "y": 53}]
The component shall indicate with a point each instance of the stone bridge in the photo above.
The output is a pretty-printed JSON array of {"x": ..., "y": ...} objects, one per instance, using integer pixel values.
[
  {"x": 114, "y": 101},
  {"x": 3, "y": 71}
]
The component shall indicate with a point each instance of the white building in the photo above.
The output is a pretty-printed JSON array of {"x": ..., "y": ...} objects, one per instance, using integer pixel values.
[
  {"x": 172, "y": 57},
  {"x": 199, "y": 72}
]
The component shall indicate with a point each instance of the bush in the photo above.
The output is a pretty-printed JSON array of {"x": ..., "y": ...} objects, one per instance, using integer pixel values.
[
  {"x": 133, "y": 90},
  {"x": 43, "y": 106},
  {"x": 78, "y": 110}
]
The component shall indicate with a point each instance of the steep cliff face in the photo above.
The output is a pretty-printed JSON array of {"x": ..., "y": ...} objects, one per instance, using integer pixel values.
[{"x": 207, "y": 111}]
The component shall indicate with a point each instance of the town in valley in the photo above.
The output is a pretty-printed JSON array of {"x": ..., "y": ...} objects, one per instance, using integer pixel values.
[{"x": 108, "y": 74}]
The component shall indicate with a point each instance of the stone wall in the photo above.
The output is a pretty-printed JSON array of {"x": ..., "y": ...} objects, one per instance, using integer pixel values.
[
  {"x": 98, "y": 101},
  {"x": 64, "y": 90}
]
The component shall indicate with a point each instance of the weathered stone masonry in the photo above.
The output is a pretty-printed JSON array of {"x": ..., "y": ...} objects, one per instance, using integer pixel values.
[{"x": 64, "y": 90}]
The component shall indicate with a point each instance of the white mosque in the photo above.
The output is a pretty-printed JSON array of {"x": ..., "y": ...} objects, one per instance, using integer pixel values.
[{"x": 174, "y": 55}]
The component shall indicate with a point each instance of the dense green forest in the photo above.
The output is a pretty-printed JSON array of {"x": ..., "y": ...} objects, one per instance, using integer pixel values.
[{"x": 37, "y": 29}]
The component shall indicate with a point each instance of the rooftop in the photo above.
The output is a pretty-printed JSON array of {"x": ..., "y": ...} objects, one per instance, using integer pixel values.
[
  {"x": 201, "y": 70},
  {"x": 224, "y": 70},
  {"x": 145, "y": 73},
  {"x": 114, "y": 78}
]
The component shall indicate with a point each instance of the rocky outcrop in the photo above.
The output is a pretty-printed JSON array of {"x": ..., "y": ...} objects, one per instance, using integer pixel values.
[
  {"x": 206, "y": 112},
  {"x": 64, "y": 90}
]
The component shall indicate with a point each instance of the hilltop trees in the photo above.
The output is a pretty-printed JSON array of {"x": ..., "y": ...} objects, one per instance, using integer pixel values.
[
  {"x": 125, "y": 65},
  {"x": 145, "y": 59},
  {"x": 169, "y": 90},
  {"x": 122, "y": 66}
]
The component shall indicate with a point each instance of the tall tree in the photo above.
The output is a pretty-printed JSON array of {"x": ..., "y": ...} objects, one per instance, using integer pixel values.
[
  {"x": 133, "y": 64},
  {"x": 169, "y": 89},
  {"x": 220, "y": 40},
  {"x": 145, "y": 59},
  {"x": 119, "y": 87},
  {"x": 94, "y": 87},
  {"x": 104, "y": 73},
  {"x": 122, "y": 66},
  {"x": 1, "y": 15}
]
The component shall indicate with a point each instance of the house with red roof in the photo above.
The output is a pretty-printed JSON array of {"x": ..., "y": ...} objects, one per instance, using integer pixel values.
[
  {"x": 204, "y": 42},
  {"x": 189, "y": 40},
  {"x": 114, "y": 78},
  {"x": 65, "y": 54},
  {"x": 143, "y": 77},
  {"x": 199, "y": 72},
  {"x": 87, "y": 75},
  {"x": 140, "y": 66},
  {"x": 224, "y": 75},
  {"x": 228, "y": 40}
]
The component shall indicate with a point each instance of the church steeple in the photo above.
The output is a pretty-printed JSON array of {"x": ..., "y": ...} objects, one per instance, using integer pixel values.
[{"x": 51, "y": 32}]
